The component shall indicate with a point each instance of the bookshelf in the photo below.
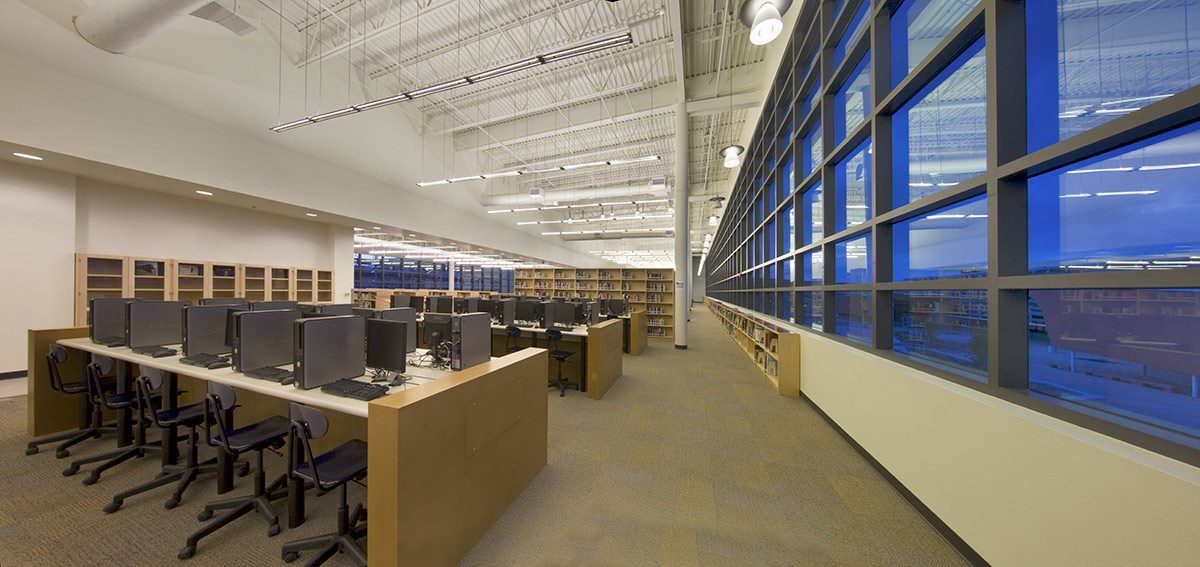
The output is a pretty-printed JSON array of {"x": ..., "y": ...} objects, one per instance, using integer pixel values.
[
  {"x": 254, "y": 282},
  {"x": 774, "y": 350},
  {"x": 324, "y": 286},
  {"x": 191, "y": 283},
  {"x": 282, "y": 284},
  {"x": 648, "y": 290}
]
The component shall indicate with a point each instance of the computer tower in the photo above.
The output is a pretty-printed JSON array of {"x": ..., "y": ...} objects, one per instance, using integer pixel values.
[
  {"x": 401, "y": 300},
  {"x": 466, "y": 304},
  {"x": 407, "y": 315},
  {"x": 328, "y": 349},
  {"x": 548, "y": 314},
  {"x": 506, "y": 311},
  {"x": 470, "y": 340},
  {"x": 593, "y": 313}
]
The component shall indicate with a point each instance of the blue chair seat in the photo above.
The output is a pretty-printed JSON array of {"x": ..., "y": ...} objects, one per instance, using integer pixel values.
[
  {"x": 187, "y": 415},
  {"x": 560, "y": 354},
  {"x": 341, "y": 464},
  {"x": 256, "y": 435},
  {"x": 107, "y": 383}
]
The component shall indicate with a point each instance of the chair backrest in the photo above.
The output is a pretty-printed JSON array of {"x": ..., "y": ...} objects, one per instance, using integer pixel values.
[
  {"x": 513, "y": 331},
  {"x": 554, "y": 335},
  {"x": 150, "y": 380},
  {"x": 56, "y": 356},
  {"x": 100, "y": 366},
  {"x": 306, "y": 424},
  {"x": 220, "y": 398}
]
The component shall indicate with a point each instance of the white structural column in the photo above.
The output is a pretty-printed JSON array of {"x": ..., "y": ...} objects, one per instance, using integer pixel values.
[{"x": 683, "y": 233}]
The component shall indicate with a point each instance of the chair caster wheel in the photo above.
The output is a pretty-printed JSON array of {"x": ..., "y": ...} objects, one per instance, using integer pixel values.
[
  {"x": 31, "y": 450},
  {"x": 62, "y": 453},
  {"x": 171, "y": 503},
  {"x": 273, "y": 530},
  {"x": 70, "y": 471},
  {"x": 290, "y": 557},
  {"x": 244, "y": 472},
  {"x": 113, "y": 506},
  {"x": 91, "y": 479},
  {"x": 187, "y": 552},
  {"x": 204, "y": 516},
  {"x": 562, "y": 394}
]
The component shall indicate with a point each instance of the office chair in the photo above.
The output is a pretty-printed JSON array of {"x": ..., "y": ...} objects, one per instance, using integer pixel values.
[
  {"x": 190, "y": 416},
  {"x": 95, "y": 427},
  {"x": 257, "y": 437},
  {"x": 117, "y": 401},
  {"x": 552, "y": 337},
  {"x": 514, "y": 333},
  {"x": 327, "y": 471}
]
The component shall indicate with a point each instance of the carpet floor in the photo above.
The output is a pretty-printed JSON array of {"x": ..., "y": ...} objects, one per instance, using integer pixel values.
[{"x": 690, "y": 459}]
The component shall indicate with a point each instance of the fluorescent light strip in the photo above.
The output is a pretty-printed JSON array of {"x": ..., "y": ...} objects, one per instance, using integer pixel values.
[
  {"x": 1115, "y": 193},
  {"x": 27, "y": 156},
  {"x": 1102, "y": 170},
  {"x": 607, "y": 43},
  {"x": 556, "y": 168}
]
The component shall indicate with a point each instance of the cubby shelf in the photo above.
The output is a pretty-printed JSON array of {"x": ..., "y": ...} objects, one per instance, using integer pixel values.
[
  {"x": 643, "y": 289},
  {"x": 774, "y": 350}
]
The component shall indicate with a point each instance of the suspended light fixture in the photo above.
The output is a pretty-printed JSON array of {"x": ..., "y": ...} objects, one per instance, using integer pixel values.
[
  {"x": 713, "y": 220},
  {"x": 764, "y": 18},
  {"x": 732, "y": 155}
]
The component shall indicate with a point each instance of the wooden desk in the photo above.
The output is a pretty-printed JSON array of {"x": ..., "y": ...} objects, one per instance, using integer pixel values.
[
  {"x": 597, "y": 364},
  {"x": 454, "y": 441}
]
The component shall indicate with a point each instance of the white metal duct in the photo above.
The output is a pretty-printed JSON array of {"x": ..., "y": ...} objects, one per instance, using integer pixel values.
[{"x": 117, "y": 26}]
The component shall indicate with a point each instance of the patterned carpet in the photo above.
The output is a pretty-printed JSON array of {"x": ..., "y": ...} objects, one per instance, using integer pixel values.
[{"x": 691, "y": 459}]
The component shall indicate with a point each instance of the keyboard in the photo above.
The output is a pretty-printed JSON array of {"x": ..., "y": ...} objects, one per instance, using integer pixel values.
[
  {"x": 269, "y": 373},
  {"x": 348, "y": 388},
  {"x": 205, "y": 360},
  {"x": 155, "y": 351},
  {"x": 111, "y": 341},
  {"x": 524, "y": 325}
]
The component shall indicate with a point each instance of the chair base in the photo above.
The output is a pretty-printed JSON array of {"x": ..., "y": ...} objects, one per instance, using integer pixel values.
[
  {"x": 69, "y": 439},
  {"x": 111, "y": 459},
  {"x": 563, "y": 386},
  {"x": 342, "y": 541},
  {"x": 238, "y": 507}
]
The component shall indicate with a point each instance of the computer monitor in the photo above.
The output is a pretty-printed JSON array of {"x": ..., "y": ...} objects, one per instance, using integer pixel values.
[
  {"x": 328, "y": 349},
  {"x": 437, "y": 331},
  {"x": 407, "y": 315},
  {"x": 153, "y": 323},
  {"x": 487, "y": 306},
  {"x": 417, "y": 303},
  {"x": 363, "y": 312},
  {"x": 204, "y": 328},
  {"x": 401, "y": 300},
  {"x": 526, "y": 310},
  {"x": 387, "y": 344},
  {"x": 264, "y": 338},
  {"x": 574, "y": 313},
  {"x": 106, "y": 317},
  {"x": 336, "y": 309},
  {"x": 439, "y": 304},
  {"x": 616, "y": 306},
  {"x": 229, "y": 301},
  {"x": 271, "y": 305}
]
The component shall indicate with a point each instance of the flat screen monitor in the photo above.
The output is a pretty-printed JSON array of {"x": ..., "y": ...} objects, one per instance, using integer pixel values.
[
  {"x": 401, "y": 300},
  {"x": 439, "y": 304},
  {"x": 387, "y": 344},
  {"x": 328, "y": 349},
  {"x": 526, "y": 310},
  {"x": 363, "y": 312},
  {"x": 271, "y": 305},
  {"x": 336, "y": 309},
  {"x": 106, "y": 316},
  {"x": 417, "y": 303},
  {"x": 616, "y": 306},
  {"x": 230, "y": 301},
  {"x": 574, "y": 314},
  {"x": 153, "y": 323},
  {"x": 407, "y": 315},
  {"x": 487, "y": 306},
  {"x": 204, "y": 328},
  {"x": 437, "y": 329},
  {"x": 264, "y": 338}
]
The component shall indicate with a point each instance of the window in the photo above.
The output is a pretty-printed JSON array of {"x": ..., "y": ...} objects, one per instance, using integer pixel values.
[
  {"x": 785, "y": 272},
  {"x": 852, "y": 315},
  {"x": 813, "y": 150},
  {"x": 1134, "y": 208},
  {"x": 813, "y": 265},
  {"x": 788, "y": 240},
  {"x": 1126, "y": 355},
  {"x": 813, "y": 310},
  {"x": 852, "y": 103},
  {"x": 788, "y": 180},
  {"x": 785, "y": 306},
  {"x": 858, "y": 23},
  {"x": 939, "y": 138},
  {"x": 810, "y": 100},
  {"x": 1091, "y": 62},
  {"x": 947, "y": 243},
  {"x": 945, "y": 328},
  {"x": 853, "y": 260},
  {"x": 853, "y": 183},
  {"x": 812, "y": 222},
  {"x": 918, "y": 26},
  {"x": 769, "y": 242}
]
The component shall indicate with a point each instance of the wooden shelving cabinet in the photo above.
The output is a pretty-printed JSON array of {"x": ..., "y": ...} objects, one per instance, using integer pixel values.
[
  {"x": 254, "y": 282},
  {"x": 324, "y": 286},
  {"x": 774, "y": 350},
  {"x": 225, "y": 281},
  {"x": 649, "y": 290}
]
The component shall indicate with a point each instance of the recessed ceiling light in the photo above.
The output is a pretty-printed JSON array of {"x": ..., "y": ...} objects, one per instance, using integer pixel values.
[
  {"x": 27, "y": 156},
  {"x": 376, "y": 228},
  {"x": 204, "y": 192},
  {"x": 311, "y": 214}
]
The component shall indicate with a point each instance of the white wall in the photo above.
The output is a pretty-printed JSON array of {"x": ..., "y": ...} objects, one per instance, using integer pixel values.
[
  {"x": 1023, "y": 489},
  {"x": 37, "y": 227}
]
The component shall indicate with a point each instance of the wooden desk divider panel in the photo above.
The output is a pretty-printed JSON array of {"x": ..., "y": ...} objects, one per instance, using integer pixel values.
[
  {"x": 50, "y": 411},
  {"x": 637, "y": 332},
  {"x": 448, "y": 458},
  {"x": 604, "y": 363}
]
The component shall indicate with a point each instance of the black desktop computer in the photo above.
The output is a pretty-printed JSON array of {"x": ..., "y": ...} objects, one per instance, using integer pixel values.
[
  {"x": 417, "y": 304},
  {"x": 437, "y": 335},
  {"x": 363, "y": 312},
  {"x": 272, "y": 305},
  {"x": 328, "y": 349},
  {"x": 546, "y": 314},
  {"x": 593, "y": 314},
  {"x": 407, "y": 315},
  {"x": 401, "y": 300},
  {"x": 616, "y": 307},
  {"x": 574, "y": 315},
  {"x": 227, "y": 301},
  {"x": 387, "y": 342},
  {"x": 336, "y": 309},
  {"x": 439, "y": 304},
  {"x": 264, "y": 338},
  {"x": 204, "y": 328},
  {"x": 470, "y": 340},
  {"x": 106, "y": 320},
  {"x": 466, "y": 305},
  {"x": 504, "y": 311},
  {"x": 153, "y": 323},
  {"x": 526, "y": 311}
]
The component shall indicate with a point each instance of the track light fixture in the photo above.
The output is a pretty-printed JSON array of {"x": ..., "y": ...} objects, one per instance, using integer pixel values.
[{"x": 764, "y": 18}]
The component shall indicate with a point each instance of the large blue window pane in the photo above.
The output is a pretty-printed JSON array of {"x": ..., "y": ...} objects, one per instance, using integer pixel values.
[
  {"x": 768, "y": 303},
  {"x": 940, "y": 137},
  {"x": 812, "y": 222},
  {"x": 788, "y": 180},
  {"x": 853, "y": 182},
  {"x": 946, "y": 328},
  {"x": 812, "y": 310},
  {"x": 769, "y": 276},
  {"x": 918, "y": 26},
  {"x": 1127, "y": 355},
  {"x": 852, "y": 313},
  {"x": 853, "y": 31},
  {"x": 1091, "y": 61},
  {"x": 813, "y": 265},
  {"x": 785, "y": 307},
  {"x": 1135, "y": 208},
  {"x": 810, "y": 100},
  {"x": 785, "y": 272},
  {"x": 789, "y": 234},
  {"x": 853, "y": 260},
  {"x": 814, "y": 150},
  {"x": 769, "y": 242},
  {"x": 947, "y": 243},
  {"x": 853, "y": 102}
]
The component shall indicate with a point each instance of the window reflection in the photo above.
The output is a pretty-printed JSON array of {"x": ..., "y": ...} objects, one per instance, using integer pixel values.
[{"x": 947, "y": 328}]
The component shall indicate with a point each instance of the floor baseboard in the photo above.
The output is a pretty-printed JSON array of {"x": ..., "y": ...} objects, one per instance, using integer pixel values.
[{"x": 13, "y": 374}]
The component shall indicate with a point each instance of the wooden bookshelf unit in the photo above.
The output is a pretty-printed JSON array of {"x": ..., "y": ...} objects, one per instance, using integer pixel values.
[
  {"x": 651, "y": 291},
  {"x": 775, "y": 350}
]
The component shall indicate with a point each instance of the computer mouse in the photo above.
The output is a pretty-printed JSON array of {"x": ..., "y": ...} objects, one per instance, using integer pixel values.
[
  {"x": 288, "y": 381},
  {"x": 218, "y": 364}
]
